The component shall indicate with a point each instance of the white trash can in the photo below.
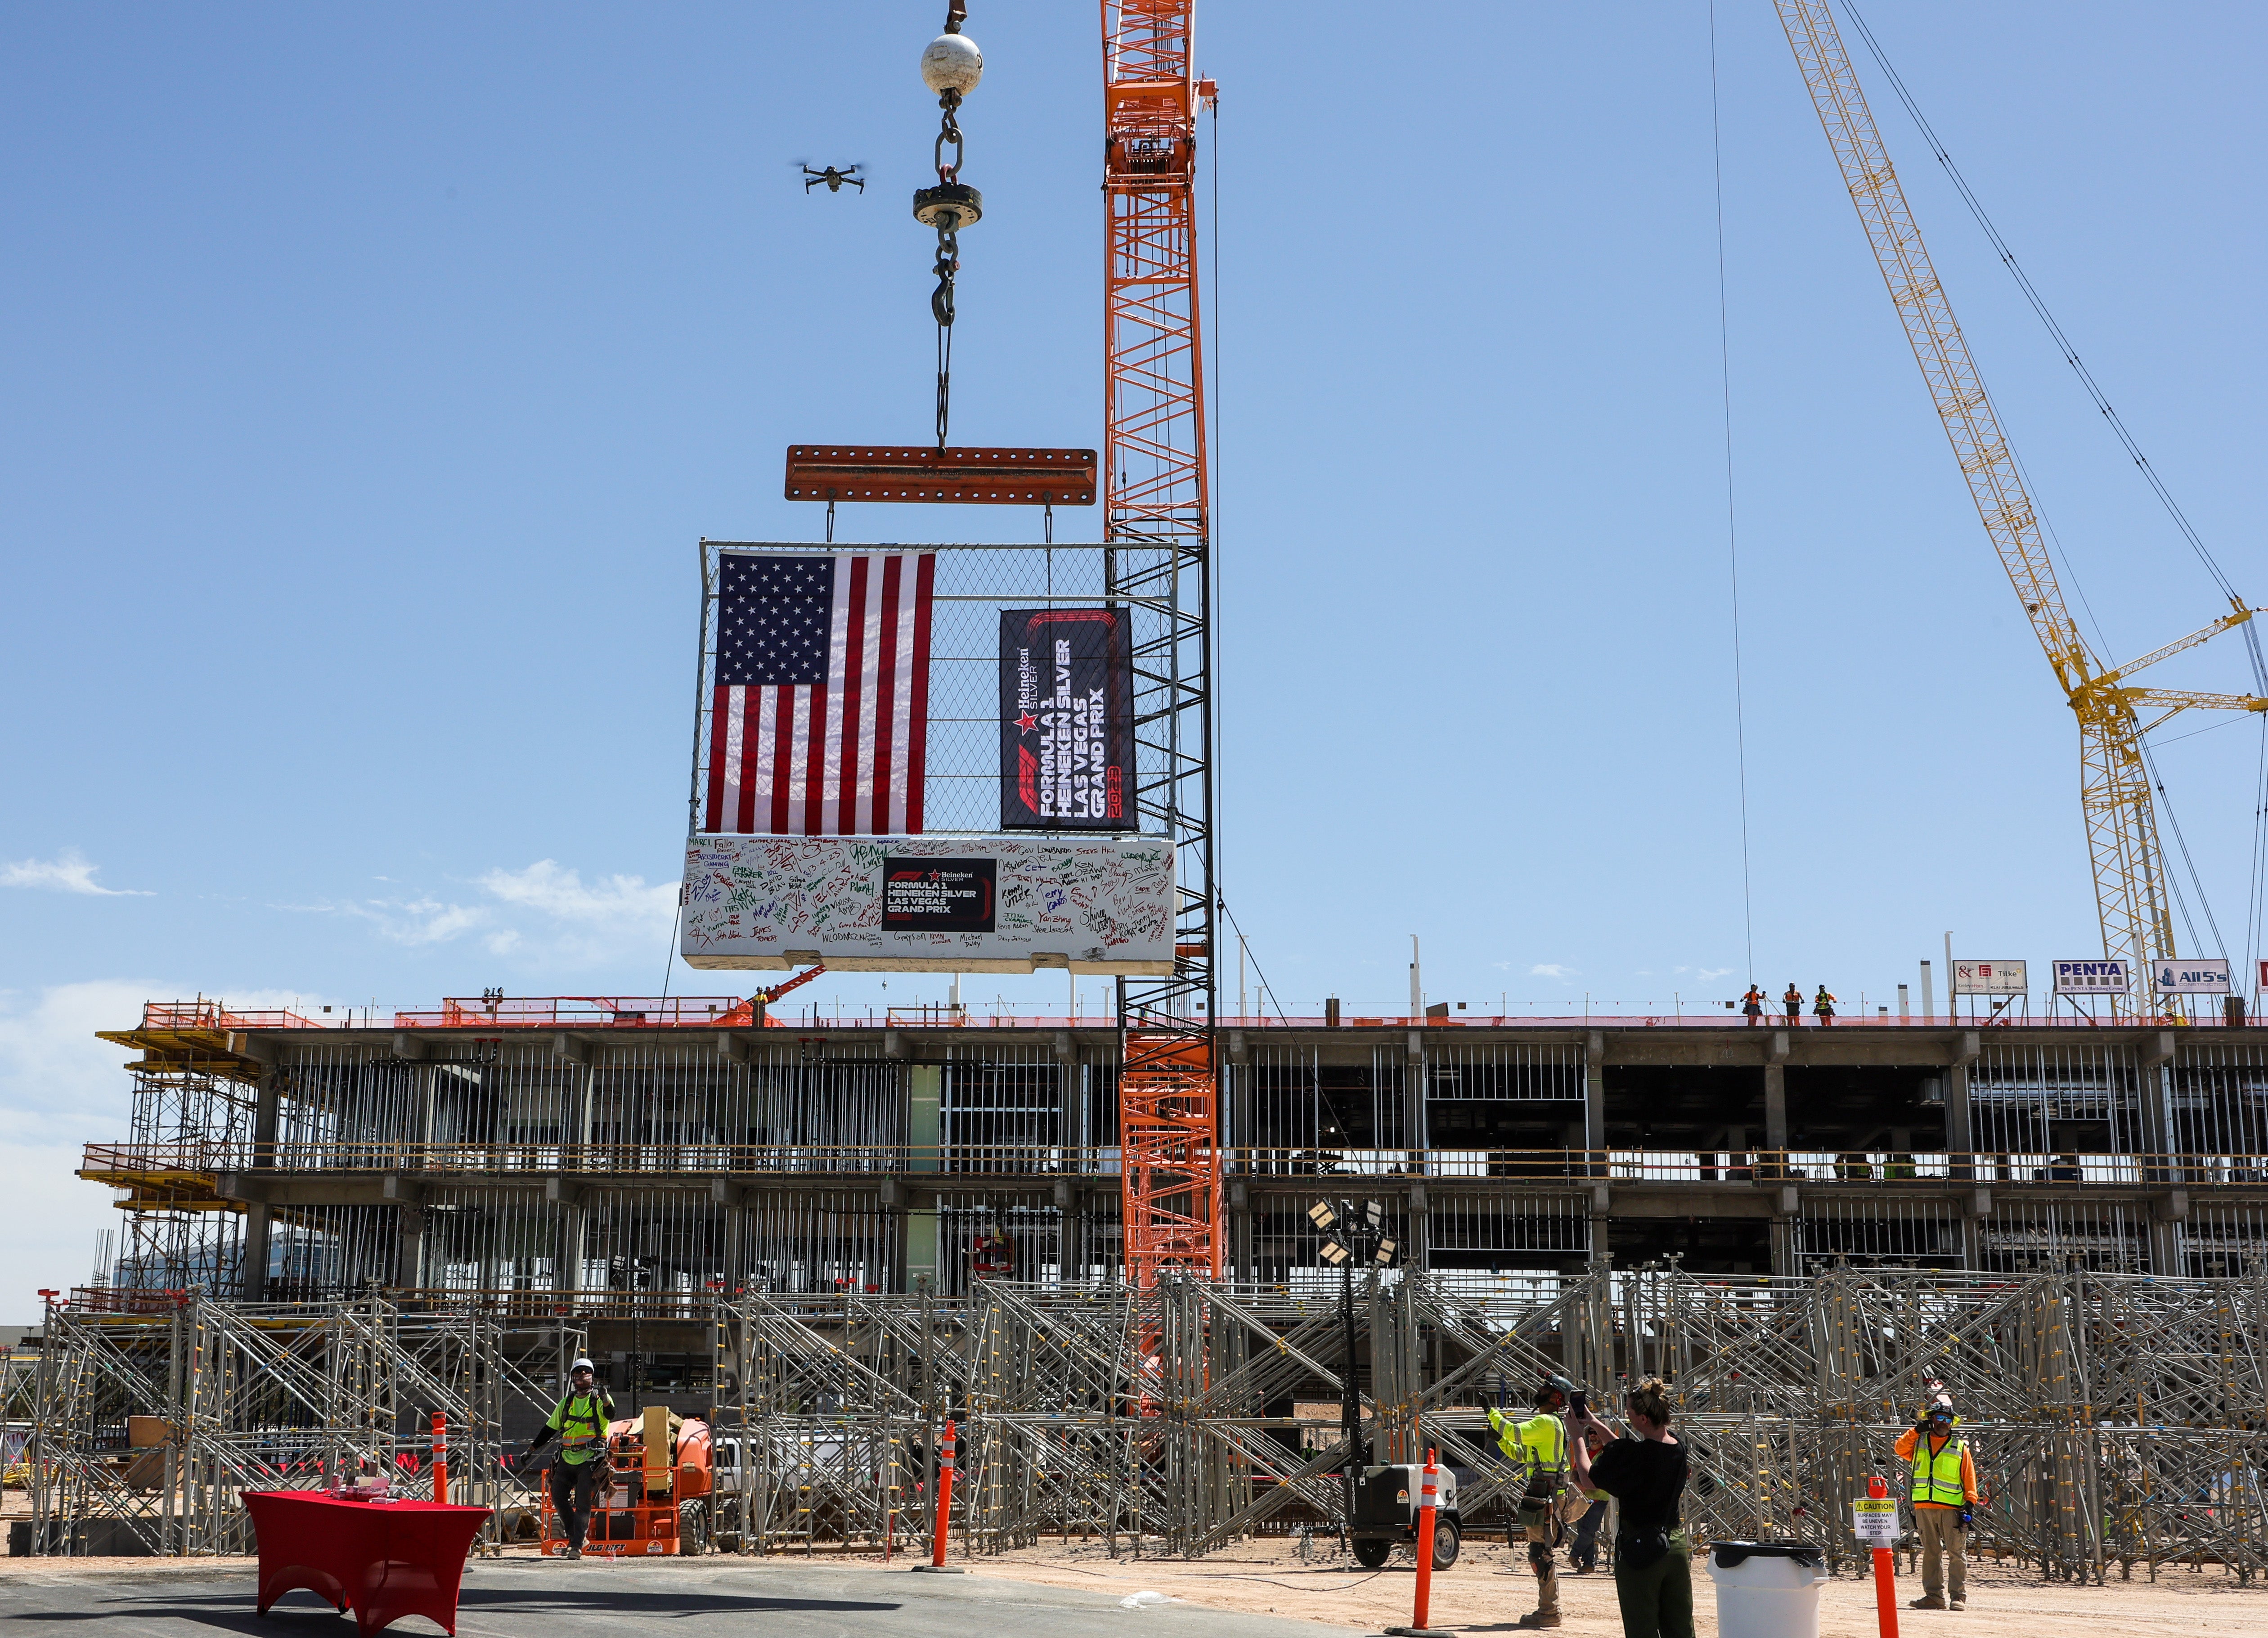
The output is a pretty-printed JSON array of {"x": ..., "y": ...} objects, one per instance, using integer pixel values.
[{"x": 1767, "y": 1589}]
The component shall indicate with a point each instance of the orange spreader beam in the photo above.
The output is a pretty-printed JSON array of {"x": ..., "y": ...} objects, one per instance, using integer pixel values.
[
  {"x": 1155, "y": 490},
  {"x": 992, "y": 477}
]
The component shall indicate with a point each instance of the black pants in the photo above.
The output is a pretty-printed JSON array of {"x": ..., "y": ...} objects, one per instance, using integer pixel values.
[{"x": 574, "y": 1488}]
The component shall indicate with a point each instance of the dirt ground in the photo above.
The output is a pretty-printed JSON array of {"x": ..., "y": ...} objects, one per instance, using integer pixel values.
[
  {"x": 1478, "y": 1595},
  {"x": 1487, "y": 1591}
]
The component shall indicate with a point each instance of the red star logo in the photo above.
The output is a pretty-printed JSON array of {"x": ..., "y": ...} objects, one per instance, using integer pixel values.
[{"x": 1025, "y": 724}]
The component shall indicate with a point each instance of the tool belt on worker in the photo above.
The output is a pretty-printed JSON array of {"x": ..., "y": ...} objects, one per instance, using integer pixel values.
[
  {"x": 583, "y": 1425},
  {"x": 1539, "y": 1500}
]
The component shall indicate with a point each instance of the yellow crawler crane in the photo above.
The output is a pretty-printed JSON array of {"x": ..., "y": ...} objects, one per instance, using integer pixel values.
[{"x": 2131, "y": 889}]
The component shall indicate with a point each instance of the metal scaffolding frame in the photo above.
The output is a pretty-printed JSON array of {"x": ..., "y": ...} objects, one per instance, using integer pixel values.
[{"x": 2116, "y": 1417}]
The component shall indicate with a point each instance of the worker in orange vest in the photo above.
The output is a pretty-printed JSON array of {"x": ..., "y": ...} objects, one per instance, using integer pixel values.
[
  {"x": 1944, "y": 1499},
  {"x": 1792, "y": 1004},
  {"x": 1752, "y": 1004},
  {"x": 1823, "y": 1004}
]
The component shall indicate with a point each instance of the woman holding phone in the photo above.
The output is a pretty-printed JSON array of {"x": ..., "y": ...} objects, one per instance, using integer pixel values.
[{"x": 1653, "y": 1568}]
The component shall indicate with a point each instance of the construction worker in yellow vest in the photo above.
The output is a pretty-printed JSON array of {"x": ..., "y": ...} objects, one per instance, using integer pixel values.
[
  {"x": 579, "y": 1421},
  {"x": 1944, "y": 1498},
  {"x": 1539, "y": 1445}
]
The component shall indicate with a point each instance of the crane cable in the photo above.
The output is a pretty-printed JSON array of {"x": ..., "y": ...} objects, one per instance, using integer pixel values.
[
  {"x": 2127, "y": 439},
  {"x": 2255, "y": 923},
  {"x": 1732, "y": 528},
  {"x": 2056, "y": 331},
  {"x": 951, "y": 67}
]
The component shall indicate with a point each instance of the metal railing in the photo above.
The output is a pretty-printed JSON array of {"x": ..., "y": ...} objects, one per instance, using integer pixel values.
[
  {"x": 590, "y": 1012},
  {"x": 212, "y": 1015},
  {"x": 1936, "y": 1167},
  {"x": 582, "y": 1012}
]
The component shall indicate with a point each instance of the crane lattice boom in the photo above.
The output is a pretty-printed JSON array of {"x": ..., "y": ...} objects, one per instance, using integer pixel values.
[
  {"x": 2131, "y": 890},
  {"x": 1155, "y": 496}
]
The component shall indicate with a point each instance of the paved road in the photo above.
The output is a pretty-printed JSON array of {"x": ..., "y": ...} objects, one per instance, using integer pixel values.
[{"x": 530, "y": 1599}]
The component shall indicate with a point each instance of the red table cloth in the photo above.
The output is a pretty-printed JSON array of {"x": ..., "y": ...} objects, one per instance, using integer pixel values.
[{"x": 384, "y": 1560}]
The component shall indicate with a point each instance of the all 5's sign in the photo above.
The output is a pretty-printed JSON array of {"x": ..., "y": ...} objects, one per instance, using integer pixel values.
[{"x": 2193, "y": 977}]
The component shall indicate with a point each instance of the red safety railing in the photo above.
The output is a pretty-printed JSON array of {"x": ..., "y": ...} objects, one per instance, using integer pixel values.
[
  {"x": 582, "y": 1012},
  {"x": 124, "y": 1300},
  {"x": 604, "y": 1012},
  {"x": 1696, "y": 1019}
]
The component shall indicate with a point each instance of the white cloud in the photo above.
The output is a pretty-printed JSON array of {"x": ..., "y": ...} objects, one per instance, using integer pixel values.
[
  {"x": 70, "y": 871},
  {"x": 615, "y": 901},
  {"x": 544, "y": 911},
  {"x": 551, "y": 912},
  {"x": 424, "y": 921},
  {"x": 56, "y": 1080},
  {"x": 60, "y": 1089},
  {"x": 1550, "y": 969}
]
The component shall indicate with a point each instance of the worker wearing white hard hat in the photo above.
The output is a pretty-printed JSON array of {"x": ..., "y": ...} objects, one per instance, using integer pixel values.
[{"x": 579, "y": 1421}]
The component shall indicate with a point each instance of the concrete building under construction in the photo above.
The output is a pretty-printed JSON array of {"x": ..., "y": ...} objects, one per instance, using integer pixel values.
[
  {"x": 830, "y": 1239},
  {"x": 630, "y": 1145}
]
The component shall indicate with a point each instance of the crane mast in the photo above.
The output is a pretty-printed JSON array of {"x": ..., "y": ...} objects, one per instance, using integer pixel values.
[
  {"x": 2131, "y": 895},
  {"x": 1157, "y": 532}
]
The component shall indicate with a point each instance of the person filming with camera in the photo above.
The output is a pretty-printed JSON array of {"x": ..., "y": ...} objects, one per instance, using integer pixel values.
[
  {"x": 1944, "y": 1498},
  {"x": 1653, "y": 1568}
]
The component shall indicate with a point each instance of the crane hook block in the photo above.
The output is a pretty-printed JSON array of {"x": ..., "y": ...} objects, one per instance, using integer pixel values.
[
  {"x": 997, "y": 477},
  {"x": 957, "y": 200}
]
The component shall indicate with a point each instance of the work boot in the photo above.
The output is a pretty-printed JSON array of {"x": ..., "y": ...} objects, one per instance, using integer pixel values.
[
  {"x": 572, "y": 1552},
  {"x": 1541, "y": 1618},
  {"x": 1928, "y": 1601},
  {"x": 1960, "y": 1603}
]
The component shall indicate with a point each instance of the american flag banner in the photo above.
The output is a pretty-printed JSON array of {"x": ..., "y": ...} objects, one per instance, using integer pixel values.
[{"x": 822, "y": 694}]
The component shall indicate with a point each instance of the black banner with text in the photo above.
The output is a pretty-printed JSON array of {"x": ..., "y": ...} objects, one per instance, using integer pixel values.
[{"x": 1066, "y": 720}]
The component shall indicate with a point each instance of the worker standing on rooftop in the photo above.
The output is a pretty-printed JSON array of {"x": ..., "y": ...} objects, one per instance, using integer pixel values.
[
  {"x": 1823, "y": 1004},
  {"x": 1791, "y": 1003},
  {"x": 1539, "y": 1445},
  {"x": 579, "y": 1421},
  {"x": 1752, "y": 1004},
  {"x": 1944, "y": 1496}
]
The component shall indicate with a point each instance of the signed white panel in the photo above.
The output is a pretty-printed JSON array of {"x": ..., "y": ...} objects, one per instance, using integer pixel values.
[{"x": 1096, "y": 903}]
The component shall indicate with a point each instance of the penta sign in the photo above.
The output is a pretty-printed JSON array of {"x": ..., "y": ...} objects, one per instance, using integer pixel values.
[{"x": 2091, "y": 976}]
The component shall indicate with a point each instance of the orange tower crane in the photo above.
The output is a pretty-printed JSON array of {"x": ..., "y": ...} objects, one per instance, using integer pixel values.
[{"x": 1158, "y": 530}]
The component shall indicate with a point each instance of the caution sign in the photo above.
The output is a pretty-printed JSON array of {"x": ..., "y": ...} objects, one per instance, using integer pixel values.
[{"x": 1874, "y": 1521}]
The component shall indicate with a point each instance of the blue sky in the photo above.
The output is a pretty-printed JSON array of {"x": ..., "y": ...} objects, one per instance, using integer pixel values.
[{"x": 373, "y": 373}]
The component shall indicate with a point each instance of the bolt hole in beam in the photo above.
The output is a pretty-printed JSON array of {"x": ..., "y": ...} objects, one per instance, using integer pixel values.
[{"x": 996, "y": 477}]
